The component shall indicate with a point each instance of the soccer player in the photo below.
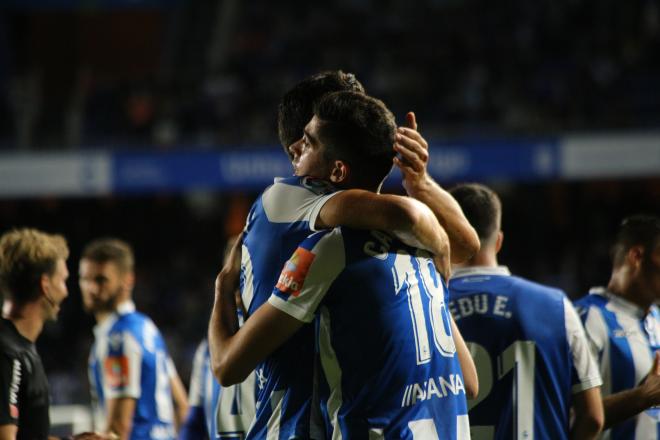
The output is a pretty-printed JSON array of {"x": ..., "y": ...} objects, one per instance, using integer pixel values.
[
  {"x": 33, "y": 276},
  {"x": 622, "y": 323},
  {"x": 132, "y": 377},
  {"x": 532, "y": 356},
  {"x": 390, "y": 402},
  {"x": 216, "y": 412}
]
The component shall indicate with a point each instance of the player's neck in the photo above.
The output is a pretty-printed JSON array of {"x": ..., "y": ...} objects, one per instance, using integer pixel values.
[
  {"x": 102, "y": 316},
  {"x": 629, "y": 291},
  {"x": 483, "y": 258},
  {"x": 27, "y": 319}
]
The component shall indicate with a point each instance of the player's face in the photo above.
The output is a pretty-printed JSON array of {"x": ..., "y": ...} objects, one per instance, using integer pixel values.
[
  {"x": 650, "y": 274},
  {"x": 55, "y": 290},
  {"x": 308, "y": 158},
  {"x": 101, "y": 285}
]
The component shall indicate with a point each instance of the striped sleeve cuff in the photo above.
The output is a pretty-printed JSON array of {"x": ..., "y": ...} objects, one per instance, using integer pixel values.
[{"x": 291, "y": 309}]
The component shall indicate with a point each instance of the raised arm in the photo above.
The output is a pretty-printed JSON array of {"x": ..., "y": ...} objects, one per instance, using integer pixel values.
[
  {"x": 408, "y": 219},
  {"x": 414, "y": 156}
]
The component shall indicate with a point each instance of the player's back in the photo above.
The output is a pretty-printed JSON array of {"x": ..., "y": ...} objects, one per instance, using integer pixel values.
[
  {"x": 387, "y": 354},
  {"x": 129, "y": 359},
  {"x": 279, "y": 220},
  {"x": 518, "y": 332}
]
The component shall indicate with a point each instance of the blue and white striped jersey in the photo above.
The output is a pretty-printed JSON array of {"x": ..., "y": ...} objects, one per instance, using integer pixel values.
[
  {"x": 129, "y": 359},
  {"x": 227, "y": 412},
  {"x": 530, "y": 351},
  {"x": 389, "y": 363},
  {"x": 279, "y": 220},
  {"x": 624, "y": 339}
]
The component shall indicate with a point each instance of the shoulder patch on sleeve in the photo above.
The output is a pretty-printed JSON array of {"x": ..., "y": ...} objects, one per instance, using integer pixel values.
[
  {"x": 117, "y": 371},
  {"x": 295, "y": 270}
]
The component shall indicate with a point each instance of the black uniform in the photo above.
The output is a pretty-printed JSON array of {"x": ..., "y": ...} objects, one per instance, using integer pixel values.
[{"x": 24, "y": 395}]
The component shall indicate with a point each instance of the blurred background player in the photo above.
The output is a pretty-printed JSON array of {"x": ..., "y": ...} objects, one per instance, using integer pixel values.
[
  {"x": 622, "y": 323},
  {"x": 532, "y": 356},
  {"x": 33, "y": 276},
  {"x": 133, "y": 379},
  {"x": 344, "y": 123},
  {"x": 216, "y": 412}
]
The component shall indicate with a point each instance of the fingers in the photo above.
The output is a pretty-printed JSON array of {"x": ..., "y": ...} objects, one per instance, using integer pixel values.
[
  {"x": 411, "y": 153},
  {"x": 411, "y": 120},
  {"x": 414, "y": 135}
]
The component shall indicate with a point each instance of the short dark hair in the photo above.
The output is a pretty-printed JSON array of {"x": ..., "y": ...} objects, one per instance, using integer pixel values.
[
  {"x": 635, "y": 230},
  {"x": 482, "y": 208},
  {"x": 359, "y": 130},
  {"x": 104, "y": 250},
  {"x": 296, "y": 107},
  {"x": 25, "y": 255}
]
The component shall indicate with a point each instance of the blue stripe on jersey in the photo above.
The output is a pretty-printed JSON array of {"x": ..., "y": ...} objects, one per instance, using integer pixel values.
[
  {"x": 269, "y": 240},
  {"x": 620, "y": 356},
  {"x": 504, "y": 314},
  {"x": 386, "y": 348}
]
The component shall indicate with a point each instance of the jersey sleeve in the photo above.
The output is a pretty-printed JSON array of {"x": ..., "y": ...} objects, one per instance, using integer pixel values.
[
  {"x": 585, "y": 372},
  {"x": 123, "y": 366},
  {"x": 196, "y": 392},
  {"x": 284, "y": 203},
  {"x": 10, "y": 384},
  {"x": 595, "y": 329},
  {"x": 308, "y": 274}
]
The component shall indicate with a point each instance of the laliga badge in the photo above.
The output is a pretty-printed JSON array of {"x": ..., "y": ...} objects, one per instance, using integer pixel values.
[{"x": 295, "y": 271}]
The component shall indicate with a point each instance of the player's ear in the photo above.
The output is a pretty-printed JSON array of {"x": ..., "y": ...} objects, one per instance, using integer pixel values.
[
  {"x": 635, "y": 256},
  {"x": 129, "y": 281},
  {"x": 340, "y": 172},
  {"x": 499, "y": 241},
  {"x": 44, "y": 283}
]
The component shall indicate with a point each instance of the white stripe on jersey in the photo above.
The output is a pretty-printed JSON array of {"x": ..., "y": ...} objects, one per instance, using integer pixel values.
[
  {"x": 332, "y": 372},
  {"x": 583, "y": 361},
  {"x": 248, "y": 277},
  {"x": 133, "y": 351},
  {"x": 329, "y": 262},
  {"x": 287, "y": 203},
  {"x": 597, "y": 334},
  {"x": 275, "y": 401}
]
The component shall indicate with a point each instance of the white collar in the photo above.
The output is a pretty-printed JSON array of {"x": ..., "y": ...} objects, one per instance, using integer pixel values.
[
  {"x": 126, "y": 307},
  {"x": 480, "y": 270},
  {"x": 623, "y": 304},
  {"x": 123, "y": 308}
]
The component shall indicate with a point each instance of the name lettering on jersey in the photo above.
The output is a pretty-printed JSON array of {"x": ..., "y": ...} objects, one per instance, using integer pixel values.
[
  {"x": 295, "y": 270},
  {"x": 480, "y": 304},
  {"x": 380, "y": 248},
  {"x": 116, "y": 371},
  {"x": 438, "y": 388},
  {"x": 13, "y": 388}
]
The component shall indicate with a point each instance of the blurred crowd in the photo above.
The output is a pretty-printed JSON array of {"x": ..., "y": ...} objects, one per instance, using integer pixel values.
[{"x": 209, "y": 73}]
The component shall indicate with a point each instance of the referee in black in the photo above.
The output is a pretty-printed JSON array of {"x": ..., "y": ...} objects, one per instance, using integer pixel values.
[{"x": 33, "y": 276}]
